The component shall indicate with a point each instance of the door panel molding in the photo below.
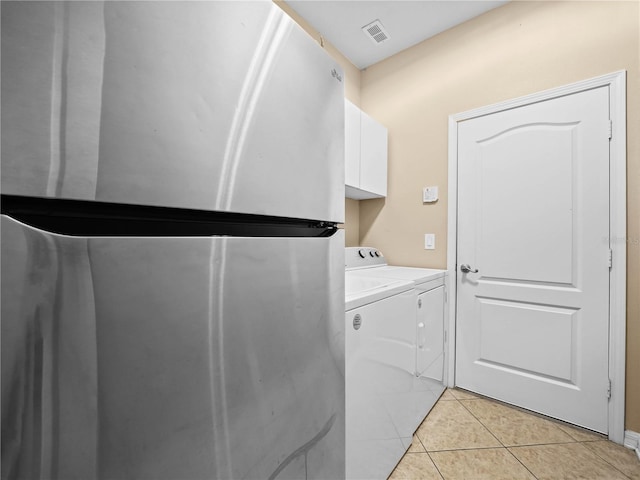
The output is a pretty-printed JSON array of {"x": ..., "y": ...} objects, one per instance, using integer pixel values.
[{"x": 616, "y": 82}]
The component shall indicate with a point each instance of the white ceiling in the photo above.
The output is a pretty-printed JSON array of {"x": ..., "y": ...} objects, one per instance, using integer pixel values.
[{"x": 407, "y": 22}]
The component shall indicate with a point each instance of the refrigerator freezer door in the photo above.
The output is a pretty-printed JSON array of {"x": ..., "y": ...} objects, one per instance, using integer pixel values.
[
  {"x": 165, "y": 358},
  {"x": 225, "y": 106}
]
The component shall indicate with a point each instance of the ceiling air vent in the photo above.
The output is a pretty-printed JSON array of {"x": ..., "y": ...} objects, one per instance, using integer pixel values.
[{"x": 376, "y": 32}]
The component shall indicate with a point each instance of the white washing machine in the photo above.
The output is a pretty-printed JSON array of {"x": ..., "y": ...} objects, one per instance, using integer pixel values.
[
  {"x": 379, "y": 365},
  {"x": 427, "y": 318}
]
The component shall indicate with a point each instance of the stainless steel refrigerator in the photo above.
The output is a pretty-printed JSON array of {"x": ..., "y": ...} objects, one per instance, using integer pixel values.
[{"x": 172, "y": 271}]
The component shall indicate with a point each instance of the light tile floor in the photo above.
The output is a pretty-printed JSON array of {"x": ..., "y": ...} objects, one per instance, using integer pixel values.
[{"x": 469, "y": 437}]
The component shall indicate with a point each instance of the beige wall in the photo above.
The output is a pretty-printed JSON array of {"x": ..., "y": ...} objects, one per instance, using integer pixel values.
[
  {"x": 352, "y": 222},
  {"x": 520, "y": 48}
]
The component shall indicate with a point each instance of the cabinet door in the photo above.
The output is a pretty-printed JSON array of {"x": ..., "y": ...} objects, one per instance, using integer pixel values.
[
  {"x": 431, "y": 333},
  {"x": 352, "y": 145},
  {"x": 373, "y": 156}
]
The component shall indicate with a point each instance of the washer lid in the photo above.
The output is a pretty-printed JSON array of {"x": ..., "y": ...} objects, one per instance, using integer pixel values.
[
  {"x": 364, "y": 289},
  {"x": 415, "y": 274}
]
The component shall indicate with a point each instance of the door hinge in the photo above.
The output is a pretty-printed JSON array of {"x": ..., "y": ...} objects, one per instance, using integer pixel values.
[
  {"x": 610, "y": 258},
  {"x": 609, "y": 390},
  {"x": 610, "y": 129}
]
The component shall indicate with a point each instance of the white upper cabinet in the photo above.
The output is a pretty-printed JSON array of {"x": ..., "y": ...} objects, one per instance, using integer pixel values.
[{"x": 365, "y": 155}]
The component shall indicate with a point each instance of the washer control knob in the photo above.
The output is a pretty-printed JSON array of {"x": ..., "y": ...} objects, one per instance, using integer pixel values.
[
  {"x": 371, "y": 253},
  {"x": 361, "y": 253},
  {"x": 377, "y": 253}
]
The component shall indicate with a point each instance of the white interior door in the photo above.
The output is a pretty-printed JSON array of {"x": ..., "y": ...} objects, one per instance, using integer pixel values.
[{"x": 533, "y": 219}]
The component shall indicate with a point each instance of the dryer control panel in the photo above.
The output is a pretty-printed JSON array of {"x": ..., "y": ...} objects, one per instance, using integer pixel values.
[{"x": 363, "y": 257}]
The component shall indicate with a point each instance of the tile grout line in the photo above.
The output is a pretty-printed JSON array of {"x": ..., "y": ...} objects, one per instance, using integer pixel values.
[
  {"x": 605, "y": 460},
  {"x": 466, "y": 449},
  {"x": 556, "y": 424},
  {"x": 520, "y": 462},
  {"x": 503, "y": 445},
  {"x": 536, "y": 415},
  {"x": 532, "y": 414},
  {"x": 425, "y": 448},
  {"x": 508, "y": 448},
  {"x": 422, "y": 444},
  {"x": 574, "y": 440},
  {"x": 591, "y": 453},
  {"x": 480, "y": 422},
  {"x": 436, "y": 465}
]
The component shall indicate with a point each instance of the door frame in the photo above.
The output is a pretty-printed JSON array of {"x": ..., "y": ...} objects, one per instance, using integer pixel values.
[{"x": 616, "y": 82}]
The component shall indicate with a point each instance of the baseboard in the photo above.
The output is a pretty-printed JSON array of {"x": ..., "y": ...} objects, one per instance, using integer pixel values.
[{"x": 632, "y": 441}]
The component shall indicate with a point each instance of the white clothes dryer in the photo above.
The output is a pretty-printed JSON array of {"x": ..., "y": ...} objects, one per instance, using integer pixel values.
[
  {"x": 427, "y": 317},
  {"x": 430, "y": 304}
]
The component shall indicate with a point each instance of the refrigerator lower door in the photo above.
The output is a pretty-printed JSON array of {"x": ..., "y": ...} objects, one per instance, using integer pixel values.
[{"x": 167, "y": 358}]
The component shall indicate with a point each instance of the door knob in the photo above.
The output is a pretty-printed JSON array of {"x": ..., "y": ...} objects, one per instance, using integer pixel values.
[{"x": 466, "y": 268}]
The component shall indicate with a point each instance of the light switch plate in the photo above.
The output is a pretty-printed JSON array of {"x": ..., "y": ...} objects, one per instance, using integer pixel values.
[
  {"x": 429, "y": 194},
  {"x": 429, "y": 241}
]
